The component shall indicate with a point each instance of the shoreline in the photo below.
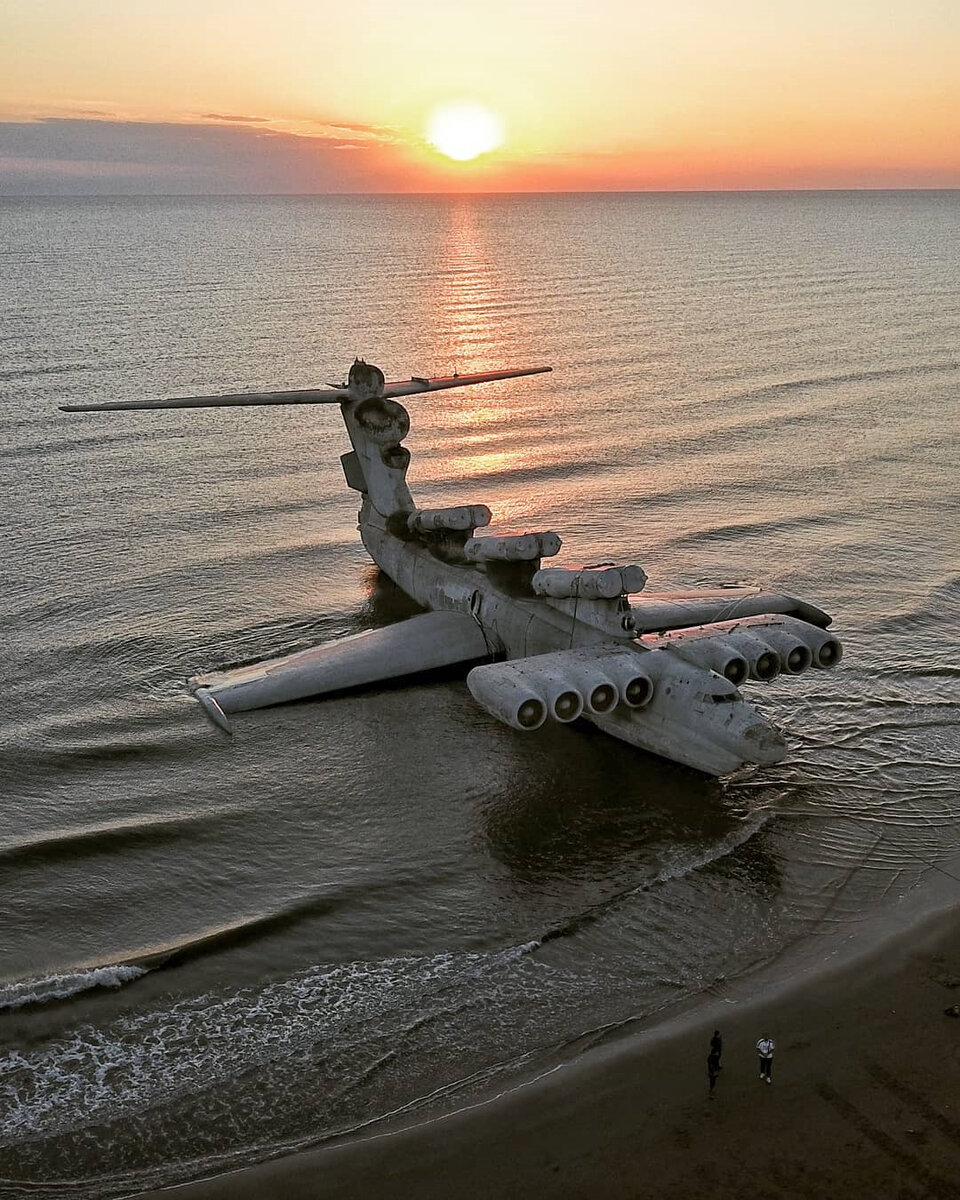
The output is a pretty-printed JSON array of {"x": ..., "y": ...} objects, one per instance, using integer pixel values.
[{"x": 865, "y": 1097}]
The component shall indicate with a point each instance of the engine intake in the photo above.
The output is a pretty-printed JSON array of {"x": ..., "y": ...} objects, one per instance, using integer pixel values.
[
  {"x": 716, "y": 654},
  {"x": 762, "y": 659},
  {"x": 795, "y": 655},
  {"x": 634, "y": 682},
  {"x": 827, "y": 650},
  {"x": 506, "y": 695},
  {"x": 600, "y": 692}
]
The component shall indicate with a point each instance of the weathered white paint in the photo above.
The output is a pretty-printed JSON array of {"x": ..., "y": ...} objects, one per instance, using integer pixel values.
[
  {"x": 588, "y": 583},
  {"x": 523, "y": 547},
  {"x": 422, "y": 643},
  {"x": 461, "y": 518}
]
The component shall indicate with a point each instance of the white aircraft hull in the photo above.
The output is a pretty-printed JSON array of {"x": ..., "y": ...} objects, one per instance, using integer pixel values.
[
  {"x": 659, "y": 672},
  {"x": 681, "y": 722}
]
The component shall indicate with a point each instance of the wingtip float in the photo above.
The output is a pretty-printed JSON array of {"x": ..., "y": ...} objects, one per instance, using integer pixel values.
[{"x": 659, "y": 671}]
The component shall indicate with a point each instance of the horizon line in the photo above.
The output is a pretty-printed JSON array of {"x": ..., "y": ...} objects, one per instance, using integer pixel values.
[{"x": 473, "y": 194}]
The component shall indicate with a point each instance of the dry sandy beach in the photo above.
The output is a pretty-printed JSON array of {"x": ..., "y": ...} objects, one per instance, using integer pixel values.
[{"x": 865, "y": 1101}]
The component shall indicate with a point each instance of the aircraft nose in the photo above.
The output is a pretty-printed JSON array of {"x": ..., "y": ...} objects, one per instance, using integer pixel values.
[{"x": 766, "y": 743}]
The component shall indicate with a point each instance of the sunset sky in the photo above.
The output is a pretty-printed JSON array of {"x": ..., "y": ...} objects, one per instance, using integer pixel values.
[{"x": 213, "y": 96}]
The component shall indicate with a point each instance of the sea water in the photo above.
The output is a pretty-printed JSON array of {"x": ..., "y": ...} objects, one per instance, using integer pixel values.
[{"x": 213, "y": 949}]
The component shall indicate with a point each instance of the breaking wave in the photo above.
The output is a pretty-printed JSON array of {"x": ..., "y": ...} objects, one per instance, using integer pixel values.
[{"x": 62, "y": 987}]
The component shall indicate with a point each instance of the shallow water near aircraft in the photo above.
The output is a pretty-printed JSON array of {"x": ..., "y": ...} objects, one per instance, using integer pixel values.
[{"x": 218, "y": 949}]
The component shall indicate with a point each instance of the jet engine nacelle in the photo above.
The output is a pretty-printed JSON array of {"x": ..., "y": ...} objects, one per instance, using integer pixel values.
[
  {"x": 562, "y": 685},
  {"x": 826, "y": 649},
  {"x": 758, "y": 646},
  {"x": 716, "y": 654},
  {"x": 795, "y": 655},
  {"x": 525, "y": 692},
  {"x": 762, "y": 659},
  {"x": 792, "y": 637},
  {"x": 506, "y": 695},
  {"x": 600, "y": 691},
  {"x": 629, "y": 671}
]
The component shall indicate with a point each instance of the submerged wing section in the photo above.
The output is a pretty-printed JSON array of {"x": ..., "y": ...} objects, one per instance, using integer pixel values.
[{"x": 422, "y": 643}]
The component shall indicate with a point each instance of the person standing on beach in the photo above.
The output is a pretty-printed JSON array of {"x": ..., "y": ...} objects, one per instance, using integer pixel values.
[
  {"x": 713, "y": 1068},
  {"x": 716, "y": 1046},
  {"x": 765, "y": 1050}
]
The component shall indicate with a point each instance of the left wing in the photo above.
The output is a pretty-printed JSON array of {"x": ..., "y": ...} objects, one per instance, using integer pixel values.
[
  {"x": 422, "y": 643},
  {"x": 656, "y": 611}
]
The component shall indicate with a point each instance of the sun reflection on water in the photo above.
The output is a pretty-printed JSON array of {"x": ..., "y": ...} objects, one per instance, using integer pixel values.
[{"x": 466, "y": 302}]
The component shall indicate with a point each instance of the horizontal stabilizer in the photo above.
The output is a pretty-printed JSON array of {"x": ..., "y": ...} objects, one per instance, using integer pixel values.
[
  {"x": 329, "y": 395},
  {"x": 422, "y": 643},
  {"x": 236, "y": 400},
  {"x": 411, "y": 387}
]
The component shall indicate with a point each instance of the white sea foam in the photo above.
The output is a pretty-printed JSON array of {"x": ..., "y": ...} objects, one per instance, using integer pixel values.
[
  {"x": 61, "y": 987},
  {"x": 144, "y": 1060}
]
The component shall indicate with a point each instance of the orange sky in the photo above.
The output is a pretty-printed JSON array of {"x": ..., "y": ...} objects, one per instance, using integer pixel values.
[{"x": 308, "y": 95}]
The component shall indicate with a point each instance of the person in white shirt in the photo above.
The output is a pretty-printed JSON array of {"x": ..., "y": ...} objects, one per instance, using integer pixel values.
[{"x": 765, "y": 1050}]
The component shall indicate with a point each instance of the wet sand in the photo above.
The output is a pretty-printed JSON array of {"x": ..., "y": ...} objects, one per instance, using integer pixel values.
[{"x": 865, "y": 1100}]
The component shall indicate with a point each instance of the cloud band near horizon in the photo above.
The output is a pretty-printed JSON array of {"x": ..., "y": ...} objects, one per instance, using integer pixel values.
[{"x": 224, "y": 155}]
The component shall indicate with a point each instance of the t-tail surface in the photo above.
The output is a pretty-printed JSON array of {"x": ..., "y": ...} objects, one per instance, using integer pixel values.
[{"x": 661, "y": 671}]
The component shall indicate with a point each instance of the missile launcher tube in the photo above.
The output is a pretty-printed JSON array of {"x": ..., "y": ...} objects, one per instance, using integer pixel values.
[
  {"x": 461, "y": 518},
  {"x": 524, "y": 547}
]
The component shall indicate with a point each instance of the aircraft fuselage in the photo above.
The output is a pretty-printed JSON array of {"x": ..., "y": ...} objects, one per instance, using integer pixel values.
[{"x": 694, "y": 717}]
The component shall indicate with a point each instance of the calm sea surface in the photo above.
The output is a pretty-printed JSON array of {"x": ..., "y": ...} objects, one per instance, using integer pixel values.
[{"x": 211, "y": 949}]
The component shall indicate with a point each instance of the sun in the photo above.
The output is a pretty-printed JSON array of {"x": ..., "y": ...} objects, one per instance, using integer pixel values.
[{"x": 464, "y": 131}]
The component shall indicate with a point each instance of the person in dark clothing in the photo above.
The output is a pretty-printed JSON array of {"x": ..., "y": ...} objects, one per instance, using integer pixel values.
[
  {"x": 716, "y": 1045},
  {"x": 713, "y": 1068}
]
